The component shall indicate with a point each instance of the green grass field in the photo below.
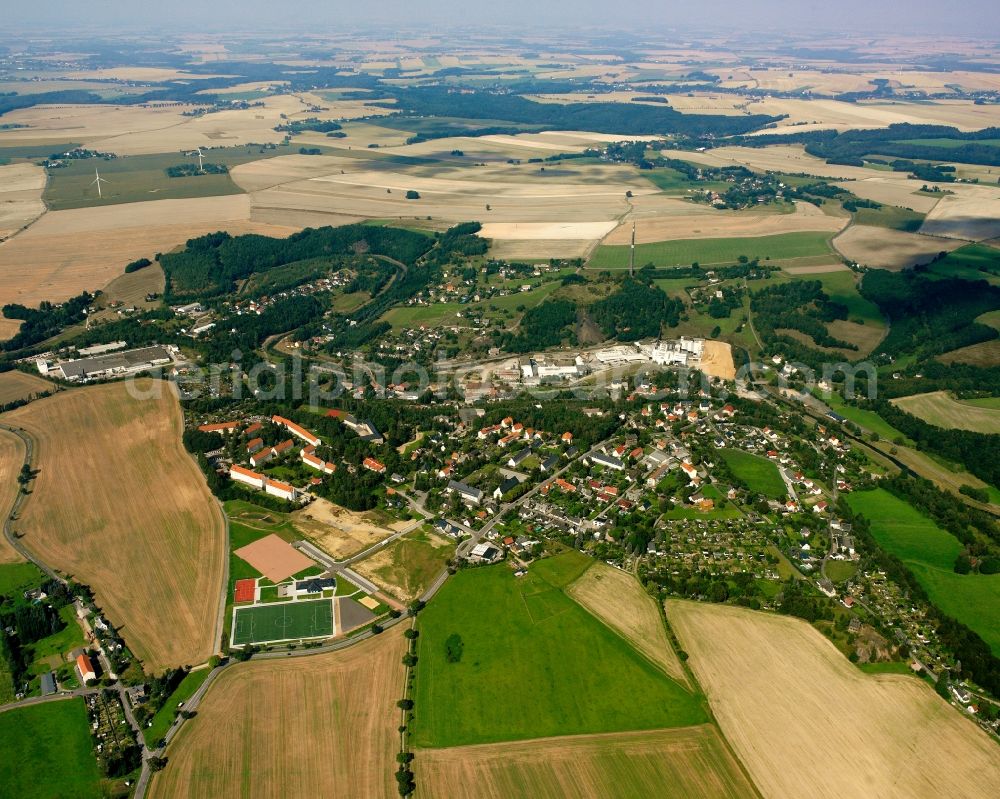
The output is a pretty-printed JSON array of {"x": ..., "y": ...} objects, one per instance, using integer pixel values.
[
  {"x": 869, "y": 420},
  {"x": 533, "y": 664},
  {"x": 164, "y": 717},
  {"x": 840, "y": 570},
  {"x": 47, "y": 752},
  {"x": 283, "y": 622},
  {"x": 890, "y": 216},
  {"x": 758, "y": 473},
  {"x": 16, "y": 577},
  {"x": 971, "y": 262},
  {"x": 142, "y": 177},
  {"x": 713, "y": 251},
  {"x": 930, "y": 552}
]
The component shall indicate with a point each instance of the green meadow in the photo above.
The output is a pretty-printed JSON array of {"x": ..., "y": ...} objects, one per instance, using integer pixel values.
[
  {"x": 930, "y": 552},
  {"x": 533, "y": 664}
]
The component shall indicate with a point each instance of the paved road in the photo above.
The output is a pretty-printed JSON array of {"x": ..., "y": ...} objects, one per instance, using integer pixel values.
[{"x": 41, "y": 700}]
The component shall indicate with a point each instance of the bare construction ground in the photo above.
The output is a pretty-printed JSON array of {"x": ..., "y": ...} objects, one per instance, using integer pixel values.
[
  {"x": 323, "y": 725},
  {"x": 691, "y": 762},
  {"x": 20, "y": 197},
  {"x": 882, "y": 248},
  {"x": 119, "y": 505},
  {"x": 11, "y": 458},
  {"x": 717, "y": 360},
  {"x": 340, "y": 532},
  {"x": 617, "y": 599},
  {"x": 703, "y": 222},
  {"x": 779, "y": 688},
  {"x": 67, "y": 252}
]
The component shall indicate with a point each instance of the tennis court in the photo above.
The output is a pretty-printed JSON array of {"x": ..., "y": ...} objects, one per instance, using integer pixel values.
[{"x": 283, "y": 621}]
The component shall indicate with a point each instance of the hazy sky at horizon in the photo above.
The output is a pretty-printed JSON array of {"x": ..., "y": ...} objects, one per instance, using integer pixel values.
[{"x": 980, "y": 18}]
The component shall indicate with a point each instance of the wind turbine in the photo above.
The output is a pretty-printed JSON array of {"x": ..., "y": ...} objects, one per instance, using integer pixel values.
[
  {"x": 201, "y": 167},
  {"x": 98, "y": 180}
]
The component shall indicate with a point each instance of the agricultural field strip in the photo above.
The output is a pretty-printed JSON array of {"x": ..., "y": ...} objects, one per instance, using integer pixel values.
[{"x": 894, "y": 736}]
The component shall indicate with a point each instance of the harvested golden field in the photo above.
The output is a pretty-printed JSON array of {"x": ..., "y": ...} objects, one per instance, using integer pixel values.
[
  {"x": 939, "y": 408},
  {"x": 545, "y": 231},
  {"x": 323, "y": 725},
  {"x": 122, "y": 507},
  {"x": 20, "y": 197},
  {"x": 882, "y": 248},
  {"x": 777, "y": 158},
  {"x": 985, "y": 354},
  {"x": 819, "y": 269},
  {"x": 141, "y": 130},
  {"x": 703, "y": 222},
  {"x": 340, "y": 532},
  {"x": 16, "y": 385},
  {"x": 132, "y": 288},
  {"x": 971, "y": 213},
  {"x": 11, "y": 459},
  {"x": 895, "y": 190},
  {"x": 455, "y": 196},
  {"x": 541, "y": 249},
  {"x": 779, "y": 688},
  {"x": 66, "y": 252},
  {"x": 617, "y": 599},
  {"x": 681, "y": 764},
  {"x": 806, "y": 115},
  {"x": 866, "y": 337}
]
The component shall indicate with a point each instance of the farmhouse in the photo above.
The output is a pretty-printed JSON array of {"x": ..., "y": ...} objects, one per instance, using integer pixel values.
[
  {"x": 297, "y": 430},
  {"x": 85, "y": 669},
  {"x": 241, "y": 475}
]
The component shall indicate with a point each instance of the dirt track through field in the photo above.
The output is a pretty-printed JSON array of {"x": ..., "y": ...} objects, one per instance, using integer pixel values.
[
  {"x": 11, "y": 458},
  {"x": 807, "y": 722},
  {"x": 617, "y": 599},
  {"x": 691, "y": 762},
  {"x": 119, "y": 505},
  {"x": 305, "y": 727}
]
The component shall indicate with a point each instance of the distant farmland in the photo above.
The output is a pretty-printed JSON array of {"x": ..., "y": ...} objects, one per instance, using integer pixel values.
[
  {"x": 777, "y": 248},
  {"x": 316, "y": 726},
  {"x": 688, "y": 763},
  {"x": 119, "y": 505},
  {"x": 143, "y": 177},
  {"x": 779, "y": 689},
  {"x": 941, "y": 409}
]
